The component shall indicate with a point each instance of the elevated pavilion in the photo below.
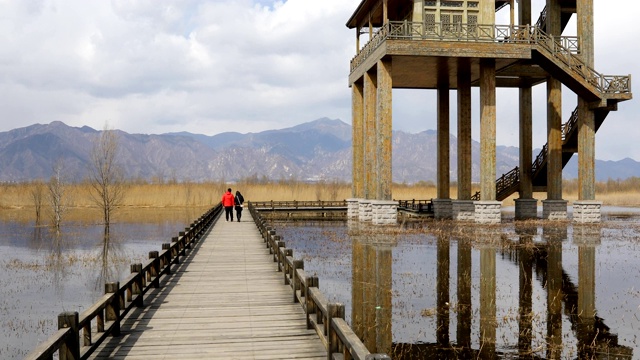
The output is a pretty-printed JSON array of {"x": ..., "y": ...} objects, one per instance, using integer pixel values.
[{"x": 455, "y": 44}]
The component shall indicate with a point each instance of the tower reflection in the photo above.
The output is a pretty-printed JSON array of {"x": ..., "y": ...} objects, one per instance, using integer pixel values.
[{"x": 467, "y": 304}]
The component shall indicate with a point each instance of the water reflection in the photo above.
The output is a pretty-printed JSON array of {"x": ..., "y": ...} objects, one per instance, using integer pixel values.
[{"x": 526, "y": 290}]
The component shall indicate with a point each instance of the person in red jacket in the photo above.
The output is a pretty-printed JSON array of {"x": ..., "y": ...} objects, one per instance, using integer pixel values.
[{"x": 228, "y": 202}]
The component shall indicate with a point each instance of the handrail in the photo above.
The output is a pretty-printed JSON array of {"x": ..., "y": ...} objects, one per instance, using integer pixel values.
[
  {"x": 80, "y": 335},
  {"x": 297, "y": 204},
  {"x": 416, "y": 205},
  {"x": 326, "y": 318},
  {"x": 562, "y": 49}
]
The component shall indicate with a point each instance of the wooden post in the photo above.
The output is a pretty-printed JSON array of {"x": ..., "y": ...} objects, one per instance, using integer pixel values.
[
  {"x": 334, "y": 310},
  {"x": 279, "y": 253},
  {"x": 137, "y": 285},
  {"x": 311, "y": 281},
  {"x": 112, "y": 311},
  {"x": 488, "y": 129},
  {"x": 274, "y": 247},
  {"x": 383, "y": 134},
  {"x": 166, "y": 259},
  {"x": 443, "y": 153},
  {"x": 297, "y": 264},
  {"x": 487, "y": 302},
  {"x": 155, "y": 269},
  {"x": 175, "y": 250},
  {"x": 70, "y": 348},
  {"x": 370, "y": 161},
  {"x": 285, "y": 269},
  {"x": 357, "y": 100},
  {"x": 464, "y": 129}
]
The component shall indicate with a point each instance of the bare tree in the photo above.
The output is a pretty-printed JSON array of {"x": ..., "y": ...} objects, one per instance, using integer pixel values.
[
  {"x": 107, "y": 177},
  {"x": 37, "y": 194},
  {"x": 57, "y": 190}
]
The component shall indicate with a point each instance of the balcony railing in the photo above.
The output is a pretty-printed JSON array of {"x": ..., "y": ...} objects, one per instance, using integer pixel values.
[{"x": 562, "y": 49}]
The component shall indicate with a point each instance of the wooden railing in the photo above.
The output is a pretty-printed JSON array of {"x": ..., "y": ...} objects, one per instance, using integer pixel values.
[
  {"x": 299, "y": 205},
  {"x": 79, "y": 335},
  {"x": 562, "y": 49},
  {"x": 416, "y": 205},
  {"x": 326, "y": 318}
]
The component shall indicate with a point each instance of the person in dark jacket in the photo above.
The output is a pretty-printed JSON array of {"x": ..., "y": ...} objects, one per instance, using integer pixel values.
[
  {"x": 228, "y": 202},
  {"x": 239, "y": 200}
]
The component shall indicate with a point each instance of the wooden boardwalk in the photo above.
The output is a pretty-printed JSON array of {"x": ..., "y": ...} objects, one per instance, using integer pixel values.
[{"x": 225, "y": 300}]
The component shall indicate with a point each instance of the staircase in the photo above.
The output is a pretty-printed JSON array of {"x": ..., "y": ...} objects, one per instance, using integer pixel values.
[{"x": 584, "y": 81}]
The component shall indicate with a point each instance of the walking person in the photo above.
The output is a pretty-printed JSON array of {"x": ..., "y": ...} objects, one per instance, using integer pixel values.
[
  {"x": 239, "y": 200},
  {"x": 228, "y": 202}
]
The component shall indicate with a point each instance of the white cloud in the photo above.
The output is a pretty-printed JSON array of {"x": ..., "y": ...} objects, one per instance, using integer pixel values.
[{"x": 233, "y": 65}]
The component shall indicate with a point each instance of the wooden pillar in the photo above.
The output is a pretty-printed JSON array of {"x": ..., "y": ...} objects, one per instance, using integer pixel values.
[
  {"x": 554, "y": 139},
  {"x": 384, "y": 299},
  {"x": 554, "y": 113},
  {"x": 370, "y": 152},
  {"x": 586, "y": 117},
  {"x": 357, "y": 136},
  {"x": 442, "y": 288},
  {"x": 384, "y": 131},
  {"x": 464, "y": 129},
  {"x": 587, "y": 282},
  {"x": 554, "y": 294},
  {"x": 525, "y": 323},
  {"x": 443, "y": 131},
  {"x": 463, "y": 330},
  {"x": 487, "y": 129},
  {"x": 487, "y": 302},
  {"x": 526, "y": 118},
  {"x": 370, "y": 299},
  {"x": 358, "y": 269},
  {"x": 526, "y": 143},
  {"x": 524, "y": 12}
]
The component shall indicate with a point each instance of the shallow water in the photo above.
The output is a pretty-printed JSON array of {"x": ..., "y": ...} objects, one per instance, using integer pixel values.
[
  {"x": 42, "y": 275},
  {"x": 428, "y": 290}
]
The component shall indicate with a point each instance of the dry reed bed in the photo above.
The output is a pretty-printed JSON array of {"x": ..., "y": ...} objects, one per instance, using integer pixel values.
[{"x": 199, "y": 196}]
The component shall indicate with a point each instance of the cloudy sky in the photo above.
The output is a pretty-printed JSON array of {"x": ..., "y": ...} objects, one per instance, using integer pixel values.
[{"x": 210, "y": 66}]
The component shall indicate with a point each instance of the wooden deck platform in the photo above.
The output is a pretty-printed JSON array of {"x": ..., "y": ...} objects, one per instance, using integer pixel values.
[{"x": 225, "y": 300}]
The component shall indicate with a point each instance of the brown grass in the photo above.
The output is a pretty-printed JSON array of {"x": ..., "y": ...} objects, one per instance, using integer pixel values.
[{"x": 193, "y": 197}]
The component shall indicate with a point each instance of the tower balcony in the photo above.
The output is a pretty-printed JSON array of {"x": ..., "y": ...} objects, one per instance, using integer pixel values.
[{"x": 525, "y": 56}]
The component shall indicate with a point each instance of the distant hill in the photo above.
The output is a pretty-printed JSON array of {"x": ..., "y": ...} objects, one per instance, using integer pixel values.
[{"x": 317, "y": 150}]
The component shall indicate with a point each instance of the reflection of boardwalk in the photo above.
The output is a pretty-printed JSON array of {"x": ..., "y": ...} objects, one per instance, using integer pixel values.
[{"x": 227, "y": 301}]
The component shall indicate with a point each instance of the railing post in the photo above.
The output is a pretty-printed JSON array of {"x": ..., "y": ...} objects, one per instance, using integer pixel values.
[
  {"x": 311, "y": 281},
  {"x": 280, "y": 252},
  {"x": 274, "y": 247},
  {"x": 175, "y": 249},
  {"x": 137, "y": 284},
  {"x": 285, "y": 268},
  {"x": 112, "y": 311},
  {"x": 166, "y": 259},
  {"x": 70, "y": 348},
  {"x": 297, "y": 264},
  {"x": 334, "y": 310},
  {"x": 155, "y": 269}
]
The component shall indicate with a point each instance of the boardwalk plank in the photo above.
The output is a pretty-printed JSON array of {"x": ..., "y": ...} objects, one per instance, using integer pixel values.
[{"x": 226, "y": 300}]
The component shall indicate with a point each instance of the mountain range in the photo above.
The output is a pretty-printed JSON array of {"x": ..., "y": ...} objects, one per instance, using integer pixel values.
[{"x": 312, "y": 151}]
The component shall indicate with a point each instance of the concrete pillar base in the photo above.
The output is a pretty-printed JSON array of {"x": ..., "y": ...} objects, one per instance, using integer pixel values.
[
  {"x": 554, "y": 209},
  {"x": 384, "y": 212},
  {"x": 353, "y": 208},
  {"x": 463, "y": 210},
  {"x": 526, "y": 209},
  {"x": 364, "y": 210},
  {"x": 442, "y": 208},
  {"x": 587, "y": 211},
  {"x": 488, "y": 212}
]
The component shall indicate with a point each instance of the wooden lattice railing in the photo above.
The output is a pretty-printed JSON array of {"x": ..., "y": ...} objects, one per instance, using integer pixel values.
[{"x": 561, "y": 49}]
